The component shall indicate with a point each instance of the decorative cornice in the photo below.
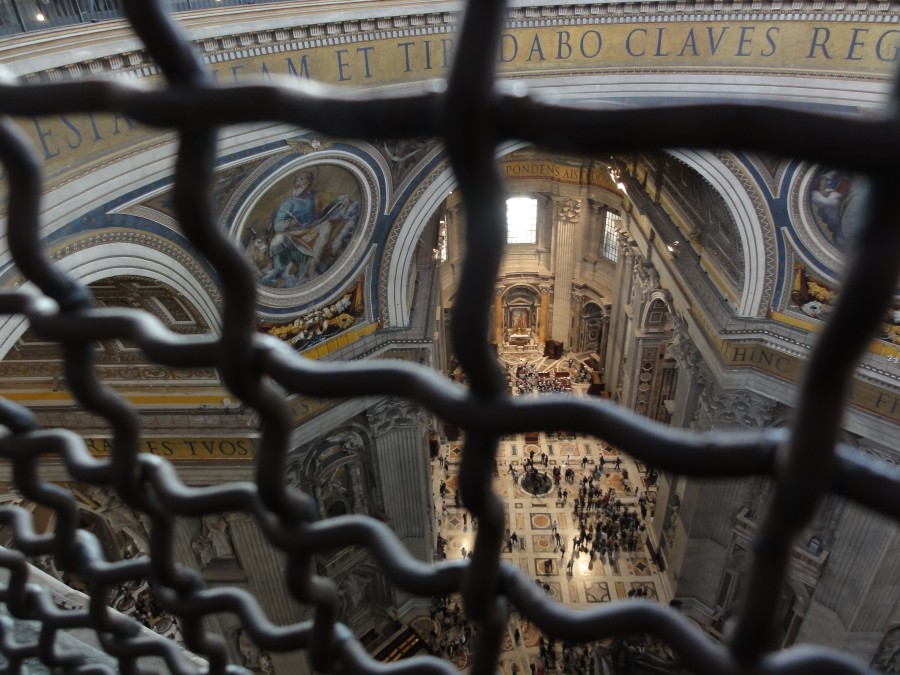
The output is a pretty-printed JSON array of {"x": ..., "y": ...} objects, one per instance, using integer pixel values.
[{"x": 223, "y": 48}]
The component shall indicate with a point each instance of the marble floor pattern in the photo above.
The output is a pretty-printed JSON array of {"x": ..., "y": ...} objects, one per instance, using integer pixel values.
[{"x": 531, "y": 518}]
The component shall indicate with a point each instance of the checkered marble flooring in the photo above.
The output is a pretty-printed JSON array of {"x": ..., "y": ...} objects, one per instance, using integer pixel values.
[{"x": 531, "y": 518}]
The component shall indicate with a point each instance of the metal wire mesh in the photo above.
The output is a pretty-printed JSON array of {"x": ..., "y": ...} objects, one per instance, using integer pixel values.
[{"x": 471, "y": 117}]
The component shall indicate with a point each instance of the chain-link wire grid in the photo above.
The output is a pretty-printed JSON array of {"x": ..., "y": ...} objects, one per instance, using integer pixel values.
[{"x": 471, "y": 117}]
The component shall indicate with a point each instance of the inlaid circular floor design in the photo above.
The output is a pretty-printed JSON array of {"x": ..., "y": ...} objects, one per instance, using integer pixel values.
[
  {"x": 540, "y": 521},
  {"x": 542, "y": 544}
]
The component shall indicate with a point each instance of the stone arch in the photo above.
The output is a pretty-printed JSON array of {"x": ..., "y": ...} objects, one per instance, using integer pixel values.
[
  {"x": 657, "y": 315},
  {"x": 743, "y": 211},
  {"x": 128, "y": 258},
  {"x": 400, "y": 250},
  {"x": 520, "y": 303},
  {"x": 400, "y": 253}
]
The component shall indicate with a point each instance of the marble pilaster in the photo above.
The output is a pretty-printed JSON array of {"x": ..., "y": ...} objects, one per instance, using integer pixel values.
[
  {"x": 498, "y": 315},
  {"x": 575, "y": 317},
  {"x": 267, "y": 582},
  {"x": 693, "y": 375},
  {"x": 602, "y": 341},
  {"x": 401, "y": 449},
  {"x": 544, "y": 313},
  {"x": 568, "y": 214}
]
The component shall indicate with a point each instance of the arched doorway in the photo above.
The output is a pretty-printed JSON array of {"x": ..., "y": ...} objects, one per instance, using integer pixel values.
[
  {"x": 590, "y": 328},
  {"x": 520, "y": 315}
]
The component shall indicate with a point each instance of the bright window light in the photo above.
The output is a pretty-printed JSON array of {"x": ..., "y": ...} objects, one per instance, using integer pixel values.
[
  {"x": 610, "y": 232},
  {"x": 521, "y": 220}
]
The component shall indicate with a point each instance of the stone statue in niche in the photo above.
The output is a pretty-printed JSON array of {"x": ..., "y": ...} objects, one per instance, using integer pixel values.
[
  {"x": 45, "y": 564},
  {"x": 361, "y": 590},
  {"x": 351, "y": 592},
  {"x": 649, "y": 280},
  {"x": 214, "y": 543},
  {"x": 252, "y": 656},
  {"x": 124, "y": 523},
  {"x": 887, "y": 658},
  {"x": 335, "y": 486}
]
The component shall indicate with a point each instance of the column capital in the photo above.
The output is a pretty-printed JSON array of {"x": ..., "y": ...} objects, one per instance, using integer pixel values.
[
  {"x": 736, "y": 408},
  {"x": 682, "y": 348},
  {"x": 394, "y": 414},
  {"x": 568, "y": 210}
]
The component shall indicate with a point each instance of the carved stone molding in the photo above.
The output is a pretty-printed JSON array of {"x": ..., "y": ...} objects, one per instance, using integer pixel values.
[{"x": 311, "y": 34}]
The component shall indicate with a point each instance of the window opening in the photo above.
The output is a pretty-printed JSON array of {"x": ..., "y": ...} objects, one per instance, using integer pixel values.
[
  {"x": 610, "y": 232},
  {"x": 521, "y": 220},
  {"x": 440, "y": 251}
]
